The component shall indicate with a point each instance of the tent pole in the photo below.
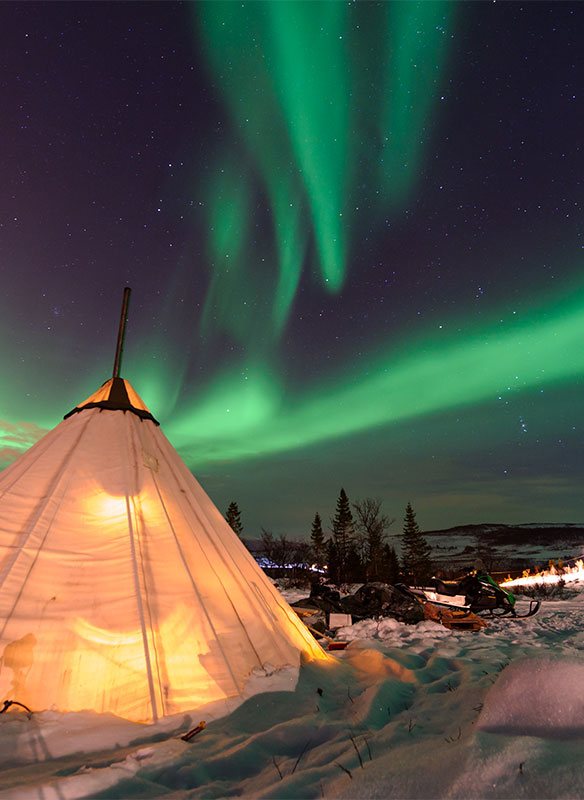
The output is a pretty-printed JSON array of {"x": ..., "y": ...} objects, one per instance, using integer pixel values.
[{"x": 122, "y": 332}]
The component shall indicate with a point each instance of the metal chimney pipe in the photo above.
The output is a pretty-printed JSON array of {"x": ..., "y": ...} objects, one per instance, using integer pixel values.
[{"x": 122, "y": 332}]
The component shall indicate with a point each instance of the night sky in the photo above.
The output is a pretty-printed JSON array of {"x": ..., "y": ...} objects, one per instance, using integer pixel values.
[{"x": 353, "y": 232}]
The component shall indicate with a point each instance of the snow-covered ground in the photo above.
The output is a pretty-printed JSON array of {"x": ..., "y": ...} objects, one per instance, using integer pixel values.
[{"x": 406, "y": 712}]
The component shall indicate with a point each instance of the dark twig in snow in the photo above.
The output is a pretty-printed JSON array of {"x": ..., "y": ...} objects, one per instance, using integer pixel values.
[
  {"x": 454, "y": 738},
  {"x": 368, "y": 749},
  {"x": 300, "y": 756},
  {"x": 344, "y": 769},
  {"x": 278, "y": 768},
  {"x": 357, "y": 751}
]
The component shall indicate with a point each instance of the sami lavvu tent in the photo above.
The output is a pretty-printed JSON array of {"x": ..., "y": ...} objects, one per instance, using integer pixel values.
[{"x": 122, "y": 588}]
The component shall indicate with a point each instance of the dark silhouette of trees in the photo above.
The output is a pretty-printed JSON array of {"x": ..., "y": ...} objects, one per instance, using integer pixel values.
[
  {"x": 284, "y": 556},
  {"x": 301, "y": 560},
  {"x": 356, "y": 550},
  {"x": 332, "y": 560},
  {"x": 277, "y": 552},
  {"x": 233, "y": 517},
  {"x": 317, "y": 541},
  {"x": 343, "y": 529},
  {"x": 371, "y": 527},
  {"x": 416, "y": 551},
  {"x": 390, "y": 571},
  {"x": 354, "y": 566}
]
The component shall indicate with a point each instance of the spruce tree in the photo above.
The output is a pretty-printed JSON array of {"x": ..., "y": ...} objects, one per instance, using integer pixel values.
[
  {"x": 317, "y": 540},
  {"x": 233, "y": 517},
  {"x": 415, "y": 550},
  {"x": 343, "y": 531}
]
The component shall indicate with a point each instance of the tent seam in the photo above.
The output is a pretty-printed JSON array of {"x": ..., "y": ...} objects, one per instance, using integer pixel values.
[
  {"x": 236, "y": 575},
  {"x": 196, "y": 591},
  {"x": 139, "y": 599}
]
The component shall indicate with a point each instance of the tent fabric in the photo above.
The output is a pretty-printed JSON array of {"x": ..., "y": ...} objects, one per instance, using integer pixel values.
[{"x": 122, "y": 588}]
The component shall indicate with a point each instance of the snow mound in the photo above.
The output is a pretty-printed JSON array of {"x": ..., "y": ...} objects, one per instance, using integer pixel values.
[
  {"x": 541, "y": 697},
  {"x": 389, "y": 630}
]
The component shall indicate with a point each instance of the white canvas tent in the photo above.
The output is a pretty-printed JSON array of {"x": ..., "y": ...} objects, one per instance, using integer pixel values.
[{"x": 122, "y": 588}]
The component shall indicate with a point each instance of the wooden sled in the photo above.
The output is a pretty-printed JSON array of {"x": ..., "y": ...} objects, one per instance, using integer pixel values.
[{"x": 454, "y": 619}]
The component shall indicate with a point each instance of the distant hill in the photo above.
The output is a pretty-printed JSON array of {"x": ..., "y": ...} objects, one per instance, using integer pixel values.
[
  {"x": 507, "y": 546},
  {"x": 499, "y": 533}
]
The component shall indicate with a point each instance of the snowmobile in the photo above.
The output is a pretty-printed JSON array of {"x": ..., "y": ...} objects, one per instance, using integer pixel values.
[{"x": 477, "y": 593}]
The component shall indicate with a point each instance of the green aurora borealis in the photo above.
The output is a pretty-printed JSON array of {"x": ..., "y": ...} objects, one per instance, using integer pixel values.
[
  {"x": 305, "y": 184},
  {"x": 275, "y": 63},
  {"x": 236, "y": 421}
]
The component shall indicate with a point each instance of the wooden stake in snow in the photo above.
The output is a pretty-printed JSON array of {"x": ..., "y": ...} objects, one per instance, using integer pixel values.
[{"x": 193, "y": 732}]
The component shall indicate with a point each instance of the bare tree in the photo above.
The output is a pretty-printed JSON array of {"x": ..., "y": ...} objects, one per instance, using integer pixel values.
[
  {"x": 301, "y": 559},
  {"x": 278, "y": 552},
  {"x": 371, "y": 527}
]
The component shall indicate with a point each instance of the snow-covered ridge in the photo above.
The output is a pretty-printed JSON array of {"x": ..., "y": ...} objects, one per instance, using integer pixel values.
[
  {"x": 506, "y": 547},
  {"x": 485, "y": 528}
]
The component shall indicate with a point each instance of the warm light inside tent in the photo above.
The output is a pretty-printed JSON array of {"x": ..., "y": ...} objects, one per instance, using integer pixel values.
[
  {"x": 112, "y": 508},
  {"x": 118, "y": 657},
  {"x": 106, "y": 506},
  {"x": 124, "y": 589},
  {"x": 100, "y": 636}
]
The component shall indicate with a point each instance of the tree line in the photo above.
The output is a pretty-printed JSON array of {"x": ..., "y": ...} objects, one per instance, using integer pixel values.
[{"x": 354, "y": 549}]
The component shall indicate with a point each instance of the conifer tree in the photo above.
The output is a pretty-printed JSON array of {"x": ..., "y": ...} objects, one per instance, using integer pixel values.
[
  {"x": 415, "y": 549},
  {"x": 317, "y": 540},
  {"x": 343, "y": 531},
  {"x": 233, "y": 517}
]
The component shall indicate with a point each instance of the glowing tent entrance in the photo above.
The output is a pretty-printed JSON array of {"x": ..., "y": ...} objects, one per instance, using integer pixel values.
[{"x": 122, "y": 588}]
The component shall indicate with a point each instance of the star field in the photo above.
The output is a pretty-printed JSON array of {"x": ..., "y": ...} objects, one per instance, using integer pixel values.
[{"x": 354, "y": 236}]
